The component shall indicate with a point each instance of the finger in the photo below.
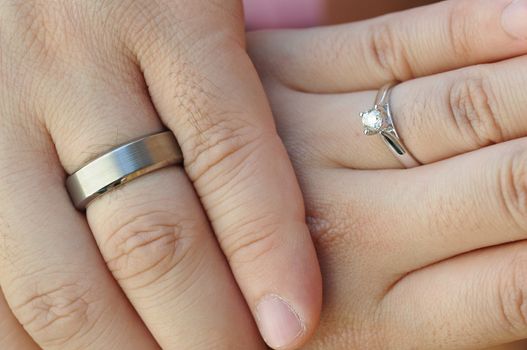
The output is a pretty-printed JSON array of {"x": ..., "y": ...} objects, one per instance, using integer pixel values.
[
  {"x": 401, "y": 46},
  {"x": 208, "y": 94},
  {"x": 437, "y": 117},
  {"x": 471, "y": 108},
  {"x": 51, "y": 272},
  {"x": 479, "y": 297},
  {"x": 152, "y": 232},
  {"x": 465, "y": 203},
  {"x": 334, "y": 122},
  {"x": 12, "y": 334},
  {"x": 163, "y": 253}
]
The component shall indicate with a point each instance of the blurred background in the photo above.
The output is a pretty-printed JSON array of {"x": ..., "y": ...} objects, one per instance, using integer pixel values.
[{"x": 304, "y": 13}]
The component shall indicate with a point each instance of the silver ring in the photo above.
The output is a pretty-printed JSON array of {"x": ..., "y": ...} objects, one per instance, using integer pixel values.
[
  {"x": 379, "y": 121},
  {"x": 121, "y": 165}
]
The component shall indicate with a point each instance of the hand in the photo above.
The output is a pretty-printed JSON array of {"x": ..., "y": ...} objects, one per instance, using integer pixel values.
[
  {"x": 427, "y": 258},
  {"x": 81, "y": 77}
]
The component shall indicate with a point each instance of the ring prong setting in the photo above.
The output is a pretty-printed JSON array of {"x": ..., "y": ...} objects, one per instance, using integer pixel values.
[
  {"x": 372, "y": 121},
  {"x": 379, "y": 121}
]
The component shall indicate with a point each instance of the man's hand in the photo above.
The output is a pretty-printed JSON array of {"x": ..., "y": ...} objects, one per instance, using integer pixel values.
[{"x": 81, "y": 77}]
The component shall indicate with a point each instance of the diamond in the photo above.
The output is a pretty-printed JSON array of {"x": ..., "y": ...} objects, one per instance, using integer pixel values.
[{"x": 372, "y": 121}]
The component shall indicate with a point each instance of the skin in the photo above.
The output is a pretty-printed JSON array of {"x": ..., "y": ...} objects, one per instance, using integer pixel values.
[
  {"x": 145, "y": 263},
  {"x": 426, "y": 258},
  {"x": 72, "y": 303}
]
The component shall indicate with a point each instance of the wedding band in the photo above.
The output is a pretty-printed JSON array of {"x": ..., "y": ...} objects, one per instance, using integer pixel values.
[
  {"x": 379, "y": 121},
  {"x": 121, "y": 165}
]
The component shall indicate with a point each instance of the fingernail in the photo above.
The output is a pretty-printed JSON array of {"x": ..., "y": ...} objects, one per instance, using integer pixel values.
[
  {"x": 514, "y": 19},
  {"x": 278, "y": 322}
]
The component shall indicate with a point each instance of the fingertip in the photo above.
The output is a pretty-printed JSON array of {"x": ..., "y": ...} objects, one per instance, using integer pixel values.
[
  {"x": 288, "y": 314},
  {"x": 279, "y": 323}
]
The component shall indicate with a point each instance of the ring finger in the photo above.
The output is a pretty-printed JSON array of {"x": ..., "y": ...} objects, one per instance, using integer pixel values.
[
  {"x": 152, "y": 232},
  {"x": 437, "y": 117},
  {"x": 51, "y": 272}
]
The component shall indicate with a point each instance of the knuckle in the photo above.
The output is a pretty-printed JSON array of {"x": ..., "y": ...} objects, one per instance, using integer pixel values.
[
  {"x": 57, "y": 315},
  {"x": 460, "y": 33},
  {"x": 389, "y": 53},
  {"x": 513, "y": 188},
  {"x": 512, "y": 294},
  {"x": 473, "y": 108},
  {"x": 220, "y": 145},
  {"x": 251, "y": 240},
  {"x": 211, "y": 131},
  {"x": 149, "y": 246},
  {"x": 212, "y": 134}
]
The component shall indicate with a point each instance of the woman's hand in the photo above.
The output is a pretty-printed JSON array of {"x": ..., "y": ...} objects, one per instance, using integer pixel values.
[
  {"x": 426, "y": 258},
  {"x": 81, "y": 77}
]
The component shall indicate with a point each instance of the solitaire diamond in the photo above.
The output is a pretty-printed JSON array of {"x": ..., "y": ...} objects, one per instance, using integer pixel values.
[{"x": 372, "y": 121}]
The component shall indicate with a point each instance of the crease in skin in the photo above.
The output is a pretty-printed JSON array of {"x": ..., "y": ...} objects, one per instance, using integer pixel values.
[
  {"x": 70, "y": 305},
  {"x": 58, "y": 309},
  {"x": 12, "y": 334}
]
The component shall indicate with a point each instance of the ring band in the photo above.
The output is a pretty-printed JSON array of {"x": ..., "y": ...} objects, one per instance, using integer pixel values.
[
  {"x": 379, "y": 121},
  {"x": 122, "y": 165}
]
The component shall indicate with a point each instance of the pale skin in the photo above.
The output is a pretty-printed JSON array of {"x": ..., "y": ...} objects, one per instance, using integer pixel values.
[
  {"x": 428, "y": 258},
  {"x": 170, "y": 287}
]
